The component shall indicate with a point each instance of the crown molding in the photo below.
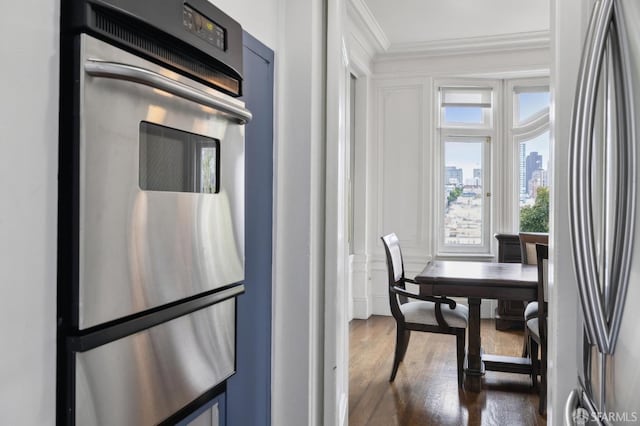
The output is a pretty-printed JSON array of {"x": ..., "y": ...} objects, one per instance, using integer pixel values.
[
  {"x": 366, "y": 28},
  {"x": 466, "y": 46}
]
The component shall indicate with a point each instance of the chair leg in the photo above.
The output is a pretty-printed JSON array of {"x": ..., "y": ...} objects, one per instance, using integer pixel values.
[
  {"x": 533, "y": 353},
  {"x": 460, "y": 351},
  {"x": 405, "y": 344},
  {"x": 402, "y": 341},
  {"x": 543, "y": 380},
  {"x": 525, "y": 343}
]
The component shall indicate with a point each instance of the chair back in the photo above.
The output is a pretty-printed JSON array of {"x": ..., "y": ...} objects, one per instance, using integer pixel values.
[
  {"x": 528, "y": 241},
  {"x": 395, "y": 270},
  {"x": 542, "y": 256}
]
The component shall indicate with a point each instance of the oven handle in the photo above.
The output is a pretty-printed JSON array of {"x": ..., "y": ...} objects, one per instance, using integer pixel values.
[{"x": 97, "y": 68}]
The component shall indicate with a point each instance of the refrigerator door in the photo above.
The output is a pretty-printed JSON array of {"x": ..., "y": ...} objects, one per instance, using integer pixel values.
[
  {"x": 622, "y": 374},
  {"x": 602, "y": 179},
  {"x": 604, "y": 186}
]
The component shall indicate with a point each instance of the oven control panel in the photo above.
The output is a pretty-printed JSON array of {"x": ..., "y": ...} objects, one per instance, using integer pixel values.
[{"x": 203, "y": 27}]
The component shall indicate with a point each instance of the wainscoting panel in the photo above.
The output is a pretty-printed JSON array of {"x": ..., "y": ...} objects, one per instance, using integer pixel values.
[{"x": 401, "y": 190}]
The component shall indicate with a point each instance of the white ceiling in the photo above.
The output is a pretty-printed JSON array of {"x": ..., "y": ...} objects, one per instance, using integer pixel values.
[{"x": 417, "y": 21}]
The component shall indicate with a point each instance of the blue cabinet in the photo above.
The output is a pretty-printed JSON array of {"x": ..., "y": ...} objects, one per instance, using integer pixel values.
[
  {"x": 212, "y": 413},
  {"x": 249, "y": 390}
]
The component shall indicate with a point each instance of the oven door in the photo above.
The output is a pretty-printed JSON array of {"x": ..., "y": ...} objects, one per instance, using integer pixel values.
[{"x": 161, "y": 186}]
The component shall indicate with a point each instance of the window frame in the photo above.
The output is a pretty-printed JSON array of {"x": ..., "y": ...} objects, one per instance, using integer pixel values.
[
  {"x": 448, "y": 136},
  {"x": 517, "y": 133},
  {"x": 446, "y": 131},
  {"x": 487, "y": 113},
  {"x": 530, "y": 86}
]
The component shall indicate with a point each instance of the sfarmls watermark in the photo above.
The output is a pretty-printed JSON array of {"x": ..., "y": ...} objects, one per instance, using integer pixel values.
[{"x": 582, "y": 417}]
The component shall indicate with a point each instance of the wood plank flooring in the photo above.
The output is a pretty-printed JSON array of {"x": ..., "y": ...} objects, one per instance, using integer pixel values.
[{"x": 425, "y": 390}]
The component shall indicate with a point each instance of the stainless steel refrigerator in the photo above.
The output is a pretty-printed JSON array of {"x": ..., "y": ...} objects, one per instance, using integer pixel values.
[{"x": 603, "y": 192}]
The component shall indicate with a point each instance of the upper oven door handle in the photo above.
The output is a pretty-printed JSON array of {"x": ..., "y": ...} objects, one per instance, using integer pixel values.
[{"x": 139, "y": 75}]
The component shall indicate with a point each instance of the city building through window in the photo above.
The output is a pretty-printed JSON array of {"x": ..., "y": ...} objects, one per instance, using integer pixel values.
[
  {"x": 531, "y": 133},
  {"x": 466, "y": 129}
]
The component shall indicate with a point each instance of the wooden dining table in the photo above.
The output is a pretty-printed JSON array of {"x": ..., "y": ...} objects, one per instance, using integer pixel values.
[{"x": 477, "y": 281}]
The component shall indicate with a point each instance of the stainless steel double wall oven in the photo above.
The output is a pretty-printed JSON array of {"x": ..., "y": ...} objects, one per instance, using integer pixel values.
[{"x": 151, "y": 234}]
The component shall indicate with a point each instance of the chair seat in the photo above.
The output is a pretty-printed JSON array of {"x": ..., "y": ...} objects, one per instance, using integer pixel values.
[
  {"x": 531, "y": 311},
  {"x": 532, "y": 325},
  {"x": 424, "y": 312}
]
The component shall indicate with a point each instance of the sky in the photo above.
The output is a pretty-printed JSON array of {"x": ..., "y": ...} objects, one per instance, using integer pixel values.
[
  {"x": 468, "y": 154},
  {"x": 465, "y": 155}
]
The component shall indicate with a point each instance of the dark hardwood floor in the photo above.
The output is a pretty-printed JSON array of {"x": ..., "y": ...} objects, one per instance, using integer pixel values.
[{"x": 425, "y": 391}]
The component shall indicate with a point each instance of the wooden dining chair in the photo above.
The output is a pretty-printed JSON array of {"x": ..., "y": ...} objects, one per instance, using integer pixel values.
[
  {"x": 414, "y": 312},
  {"x": 537, "y": 327},
  {"x": 528, "y": 241}
]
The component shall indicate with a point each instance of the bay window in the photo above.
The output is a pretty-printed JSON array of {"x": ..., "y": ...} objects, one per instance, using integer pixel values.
[{"x": 492, "y": 162}]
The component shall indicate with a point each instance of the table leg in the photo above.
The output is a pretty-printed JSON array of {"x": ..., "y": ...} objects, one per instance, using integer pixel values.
[{"x": 474, "y": 369}]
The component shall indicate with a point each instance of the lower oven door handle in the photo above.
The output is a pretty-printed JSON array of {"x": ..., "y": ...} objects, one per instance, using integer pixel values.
[{"x": 97, "y": 68}]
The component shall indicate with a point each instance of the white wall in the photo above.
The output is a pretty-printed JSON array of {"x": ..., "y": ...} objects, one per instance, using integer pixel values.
[
  {"x": 363, "y": 40},
  {"x": 299, "y": 217},
  {"x": 569, "y": 19},
  {"x": 293, "y": 29},
  {"x": 336, "y": 321},
  {"x": 358, "y": 274},
  {"x": 259, "y": 18},
  {"x": 399, "y": 196},
  {"x": 28, "y": 218}
]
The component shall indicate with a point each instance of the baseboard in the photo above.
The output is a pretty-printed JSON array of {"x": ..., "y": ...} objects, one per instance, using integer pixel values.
[
  {"x": 380, "y": 305},
  {"x": 361, "y": 308},
  {"x": 488, "y": 309}
]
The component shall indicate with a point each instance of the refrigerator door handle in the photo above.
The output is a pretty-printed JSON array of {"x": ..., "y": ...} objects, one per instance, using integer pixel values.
[
  {"x": 626, "y": 183},
  {"x": 579, "y": 410},
  {"x": 570, "y": 407},
  {"x": 603, "y": 309},
  {"x": 580, "y": 201}
]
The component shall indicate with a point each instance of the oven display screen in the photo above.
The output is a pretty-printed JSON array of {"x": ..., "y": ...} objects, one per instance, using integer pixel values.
[
  {"x": 206, "y": 29},
  {"x": 177, "y": 161}
]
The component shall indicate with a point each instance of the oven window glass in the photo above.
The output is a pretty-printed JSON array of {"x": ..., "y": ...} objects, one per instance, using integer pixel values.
[{"x": 177, "y": 161}]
